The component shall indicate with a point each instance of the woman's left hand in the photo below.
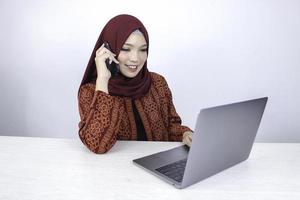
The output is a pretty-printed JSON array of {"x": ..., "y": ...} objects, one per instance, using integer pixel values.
[{"x": 187, "y": 138}]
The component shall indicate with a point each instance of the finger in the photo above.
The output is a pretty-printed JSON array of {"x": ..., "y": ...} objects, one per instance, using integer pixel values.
[
  {"x": 111, "y": 52},
  {"x": 103, "y": 56},
  {"x": 107, "y": 50},
  {"x": 101, "y": 47},
  {"x": 99, "y": 52},
  {"x": 187, "y": 142},
  {"x": 115, "y": 60},
  {"x": 190, "y": 138},
  {"x": 104, "y": 51}
]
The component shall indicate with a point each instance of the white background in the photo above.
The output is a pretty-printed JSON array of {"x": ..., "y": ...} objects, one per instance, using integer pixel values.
[{"x": 211, "y": 52}]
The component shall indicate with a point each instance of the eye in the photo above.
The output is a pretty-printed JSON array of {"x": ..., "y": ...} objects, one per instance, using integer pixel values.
[
  {"x": 144, "y": 50},
  {"x": 124, "y": 49}
]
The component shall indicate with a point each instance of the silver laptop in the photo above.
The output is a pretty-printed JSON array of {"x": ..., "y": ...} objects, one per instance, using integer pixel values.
[{"x": 223, "y": 137}]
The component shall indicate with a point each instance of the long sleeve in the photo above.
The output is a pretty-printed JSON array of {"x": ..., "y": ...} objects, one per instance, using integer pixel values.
[
  {"x": 99, "y": 114},
  {"x": 175, "y": 129}
]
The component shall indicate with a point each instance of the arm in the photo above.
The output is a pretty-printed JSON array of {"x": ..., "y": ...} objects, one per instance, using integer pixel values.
[{"x": 99, "y": 119}]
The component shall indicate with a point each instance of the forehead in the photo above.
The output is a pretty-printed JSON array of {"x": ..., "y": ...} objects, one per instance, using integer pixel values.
[{"x": 136, "y": 38}]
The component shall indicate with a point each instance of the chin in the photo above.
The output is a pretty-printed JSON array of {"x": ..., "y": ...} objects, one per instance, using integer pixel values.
[{"x": 130, "y": 74}]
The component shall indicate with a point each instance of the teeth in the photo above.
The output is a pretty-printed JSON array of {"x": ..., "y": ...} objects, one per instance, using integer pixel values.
[{"x": 132, "y": 66}]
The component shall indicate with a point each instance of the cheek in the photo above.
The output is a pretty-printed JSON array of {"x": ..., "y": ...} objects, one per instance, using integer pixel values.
[
  {"x": 143, "y": 57},
  {"x": 122, "y": 57}
]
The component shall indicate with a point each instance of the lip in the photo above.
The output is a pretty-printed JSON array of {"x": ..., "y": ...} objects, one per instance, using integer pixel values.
[
  {"x": 132, "y": 65},
  {"x": 133, "y": 70}
]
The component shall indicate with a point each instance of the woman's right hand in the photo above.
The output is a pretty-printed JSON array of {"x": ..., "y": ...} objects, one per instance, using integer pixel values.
[
  {"x": 103, "y": 74},
  {"x": 101, "y": 55}
]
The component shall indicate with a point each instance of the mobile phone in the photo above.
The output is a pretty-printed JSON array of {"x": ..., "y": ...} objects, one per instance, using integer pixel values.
[{"x": 114, "y": 68}]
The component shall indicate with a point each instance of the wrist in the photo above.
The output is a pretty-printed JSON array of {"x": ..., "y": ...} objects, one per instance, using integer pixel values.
[
  {"x": 102, "y": 79},
  {"x": 102, "y": 84}
]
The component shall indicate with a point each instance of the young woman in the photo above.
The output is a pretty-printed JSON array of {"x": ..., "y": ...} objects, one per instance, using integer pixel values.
[{"x": 133, "y": 104}]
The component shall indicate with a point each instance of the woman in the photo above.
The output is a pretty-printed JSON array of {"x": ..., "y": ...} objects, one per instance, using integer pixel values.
[{"x": 134, "y": 104}]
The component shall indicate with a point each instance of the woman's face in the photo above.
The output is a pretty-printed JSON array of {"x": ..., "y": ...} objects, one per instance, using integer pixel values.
[{"x": 133, "y": 54}]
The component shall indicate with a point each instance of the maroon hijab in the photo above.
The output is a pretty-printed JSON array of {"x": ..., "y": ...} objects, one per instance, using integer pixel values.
[{"x": 116, "y": 32}]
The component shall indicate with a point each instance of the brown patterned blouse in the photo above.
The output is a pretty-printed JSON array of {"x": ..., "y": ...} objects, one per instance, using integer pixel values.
[{"x": 106, "y": 119}]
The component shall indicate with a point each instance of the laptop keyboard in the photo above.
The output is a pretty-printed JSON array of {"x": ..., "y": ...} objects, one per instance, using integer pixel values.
[{"x": 174, "y": 170}]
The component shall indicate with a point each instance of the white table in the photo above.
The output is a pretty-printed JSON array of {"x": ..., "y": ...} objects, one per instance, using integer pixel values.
[{"x": 48, "y": 168}]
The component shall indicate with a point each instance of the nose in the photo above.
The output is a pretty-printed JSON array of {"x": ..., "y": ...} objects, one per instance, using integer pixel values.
[{"x": 133, "y": 56}]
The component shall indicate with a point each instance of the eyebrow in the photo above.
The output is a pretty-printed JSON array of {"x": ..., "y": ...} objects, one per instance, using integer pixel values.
[{"x": 133, "y": 45}]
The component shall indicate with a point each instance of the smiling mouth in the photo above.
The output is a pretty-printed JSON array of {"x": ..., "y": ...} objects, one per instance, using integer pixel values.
[{"x": 132, "y": 66}]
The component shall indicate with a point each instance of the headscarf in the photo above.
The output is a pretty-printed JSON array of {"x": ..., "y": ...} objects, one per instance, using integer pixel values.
[{"x": 116, "y": 32}]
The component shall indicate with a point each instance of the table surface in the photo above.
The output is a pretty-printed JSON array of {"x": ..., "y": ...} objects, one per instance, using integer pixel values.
[{"x": 51, "y": 168}]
